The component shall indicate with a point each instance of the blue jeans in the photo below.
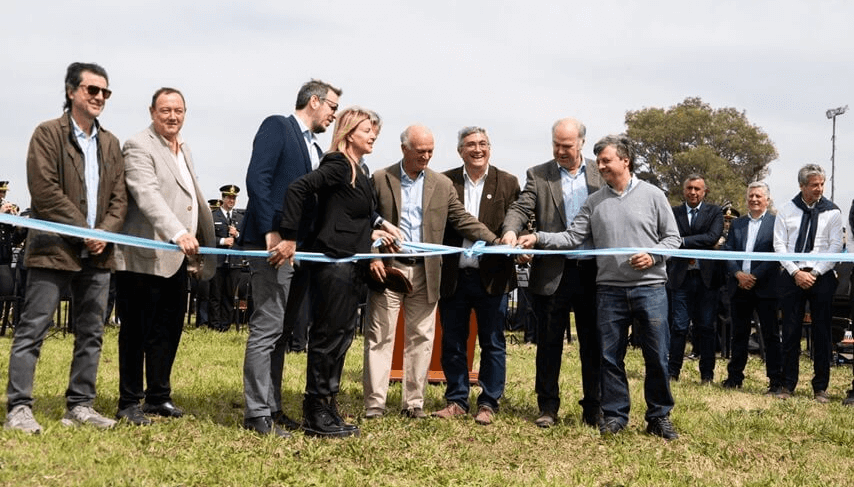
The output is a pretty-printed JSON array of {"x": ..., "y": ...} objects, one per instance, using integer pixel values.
[
  {"x": 491, "y": 312},
  {"x": 644, "y": 308},
  {"x": 693, "y": 302}
]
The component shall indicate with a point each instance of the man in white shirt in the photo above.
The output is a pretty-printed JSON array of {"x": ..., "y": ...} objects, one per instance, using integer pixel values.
[{"x": 811, "y": 224}]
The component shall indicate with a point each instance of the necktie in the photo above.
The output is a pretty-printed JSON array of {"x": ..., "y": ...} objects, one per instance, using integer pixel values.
[{"x": 693, "y": 218}]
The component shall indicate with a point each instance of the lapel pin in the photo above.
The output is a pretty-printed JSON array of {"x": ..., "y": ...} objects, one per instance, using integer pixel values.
[{"x": 489, "y": 196}]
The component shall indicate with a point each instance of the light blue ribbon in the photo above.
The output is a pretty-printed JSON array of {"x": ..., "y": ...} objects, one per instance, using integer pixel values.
[{"x": 421, "y": 249}]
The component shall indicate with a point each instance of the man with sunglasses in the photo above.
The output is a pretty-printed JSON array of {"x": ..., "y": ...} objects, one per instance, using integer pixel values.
[
  {"x": 284, "y": 149},
  {"x": 75, "y": 174}
]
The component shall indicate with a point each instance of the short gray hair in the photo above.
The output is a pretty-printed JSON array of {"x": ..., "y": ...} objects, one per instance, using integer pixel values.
[
  {"x": 809, "y": 171},
  {"x": 466, "y": 131},
  {"x": 760, "y": 184},
  {"x": 404, "y": 136},
  {"x": 693, "y": 177},
  {"x": 622, "y": 144},
  {"x": 315, "y": 87}
]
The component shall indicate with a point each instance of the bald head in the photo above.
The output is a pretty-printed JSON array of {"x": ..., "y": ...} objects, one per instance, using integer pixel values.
[{"x": 416, "y": 143}]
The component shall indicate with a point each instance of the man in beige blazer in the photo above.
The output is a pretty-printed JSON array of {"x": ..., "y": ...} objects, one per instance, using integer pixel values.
[
  {"x": 166, "y": 205},
  {"x": 420, "y": 202}
]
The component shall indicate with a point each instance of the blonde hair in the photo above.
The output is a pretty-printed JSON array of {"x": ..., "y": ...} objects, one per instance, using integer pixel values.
[{"x": 345, "y": 124}]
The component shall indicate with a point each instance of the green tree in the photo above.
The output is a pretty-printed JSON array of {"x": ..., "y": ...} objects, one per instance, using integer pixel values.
[{"x": 692, "y": 137}]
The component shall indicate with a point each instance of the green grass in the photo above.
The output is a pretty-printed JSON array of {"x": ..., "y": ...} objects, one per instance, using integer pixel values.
[{"x": 728, "y": 437}]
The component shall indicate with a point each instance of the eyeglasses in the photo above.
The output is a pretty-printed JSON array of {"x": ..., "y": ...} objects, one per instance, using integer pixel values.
[
  {"x": 475, "y": 145},
  {"x": 332, "y": 106},
  {"x": 93, "y": 90}
]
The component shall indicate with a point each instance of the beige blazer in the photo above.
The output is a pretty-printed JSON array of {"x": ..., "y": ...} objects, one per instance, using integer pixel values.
[
  {"x": 160, "y": 205},
  {"x": 440, "y": 207}
]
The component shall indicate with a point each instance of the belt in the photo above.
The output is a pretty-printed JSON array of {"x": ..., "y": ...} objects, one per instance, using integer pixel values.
[
  {"x": 579, "y": 262},
  {"x": 410, "y": 260}
]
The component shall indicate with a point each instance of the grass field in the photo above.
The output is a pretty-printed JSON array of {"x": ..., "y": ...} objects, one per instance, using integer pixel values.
[{"x": 727, "y": 437}]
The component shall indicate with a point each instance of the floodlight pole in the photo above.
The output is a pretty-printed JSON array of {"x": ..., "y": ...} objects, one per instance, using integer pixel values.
[{"x": 832, "y": 114}]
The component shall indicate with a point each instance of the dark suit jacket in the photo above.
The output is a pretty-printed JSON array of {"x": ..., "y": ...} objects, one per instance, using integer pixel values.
[
  {"x": 279, "y": 157},
  {"x": 344, "y": 212},
  {"x": 440, "y": 207},
  {"x": 221, "y": 225},
  {"x": 706, "y": 231},
  {"x": 765, "y": 271},
  {"x": 497, "y": 272},
  {"x": 542, "y": 199}
]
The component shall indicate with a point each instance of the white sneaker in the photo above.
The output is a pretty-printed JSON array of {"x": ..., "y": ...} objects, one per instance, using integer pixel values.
[
  {"x": 80, "y": 414},
  {"x": 21, "y": 418}
]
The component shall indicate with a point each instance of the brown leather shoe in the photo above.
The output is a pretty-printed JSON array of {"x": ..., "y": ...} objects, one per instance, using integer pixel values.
[
  {"x": 784, "y": 394},
  {"x": 484, "y": 415},
  {"x": 821, "y": 397},
  {"x": 452, "y": 410}
]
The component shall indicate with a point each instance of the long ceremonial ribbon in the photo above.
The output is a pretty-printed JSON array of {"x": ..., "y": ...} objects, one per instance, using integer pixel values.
[{"x": 421, "y": 249}]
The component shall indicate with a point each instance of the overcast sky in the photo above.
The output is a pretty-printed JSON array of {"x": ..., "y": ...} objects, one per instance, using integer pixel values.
[{"x": 511, "y": 67}]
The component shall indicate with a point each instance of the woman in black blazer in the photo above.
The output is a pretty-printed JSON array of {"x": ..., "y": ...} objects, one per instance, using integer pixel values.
[{"x": 345, "y": 215}]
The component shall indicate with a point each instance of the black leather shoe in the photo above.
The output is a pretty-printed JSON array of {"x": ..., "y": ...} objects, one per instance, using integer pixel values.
[
  {"x": 610, "y": 426},
  {"x": 133, "y": 415},
  {"x": 731, "y": 384},
  {"x": 333, "y": 408},
  {"x": 318, "y": 420},
  {"x": 284, "y": 421},
  {"x": 167, "y": 409},
  {"x": 263, "y": 425},
  {"x": 662, "y": 427},
  {"x": 707, "y": 380}
]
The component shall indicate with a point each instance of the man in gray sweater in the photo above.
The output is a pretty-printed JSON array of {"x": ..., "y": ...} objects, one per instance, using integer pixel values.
[{"x": 630, "y": 291}]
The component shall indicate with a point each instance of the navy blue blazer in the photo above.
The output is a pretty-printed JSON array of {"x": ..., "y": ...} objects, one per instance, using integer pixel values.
[
  {"x": 765, "y": 271},
  {"x": 279, "y": 157},
  {"x": 708, "y": 228}
]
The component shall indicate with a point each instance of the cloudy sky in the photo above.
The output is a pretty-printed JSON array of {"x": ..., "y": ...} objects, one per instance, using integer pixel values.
[{"x": 511, "y": 67}]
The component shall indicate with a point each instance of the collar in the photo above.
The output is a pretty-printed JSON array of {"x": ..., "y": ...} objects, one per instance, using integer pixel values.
[
  {"x": 688, "y": 208},
  {"x": 405, "y": 177},
  {"x": 78, "y": 132},
  {"x": 581, "y": 169},
  {"x": 303, "y": 128},
  {"x": 466, "y": 176},
  {"x": 757, "y": 219}
]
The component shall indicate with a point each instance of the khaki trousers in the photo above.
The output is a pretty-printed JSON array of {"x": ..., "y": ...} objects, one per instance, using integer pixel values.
[{"x": 419, "y": 328}]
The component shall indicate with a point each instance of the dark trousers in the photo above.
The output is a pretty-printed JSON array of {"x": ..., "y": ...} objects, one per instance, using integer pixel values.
[
  {"x": 693, "y": 303},
  {"x": 743, "y": 303},
  {"x": 336, "y": 292},
  {"x": 576, "y": 292},
  {"x": 151, "y": 309},
  {"x": 792, "y": 301},
  {"x": 491, "y": 312},
  {"x": 221, "y": 300}
]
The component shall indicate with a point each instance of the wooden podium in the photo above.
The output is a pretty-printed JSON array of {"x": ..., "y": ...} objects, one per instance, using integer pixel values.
[{"x": 435, "y": 374}]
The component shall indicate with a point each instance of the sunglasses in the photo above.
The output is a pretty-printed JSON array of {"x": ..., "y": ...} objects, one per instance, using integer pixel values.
[{"x": 93, "y": 90}]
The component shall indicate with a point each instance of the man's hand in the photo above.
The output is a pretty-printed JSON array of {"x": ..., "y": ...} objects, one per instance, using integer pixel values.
[
  {"x": 378, "y": 270},
  {"x": 804, "y": 279},
  {"x": 641, "y": 261},
  {"x": 391, "y": 244},
  {"x": 388, "y": 227},
  {"x": 745, "y": 280},
  {"x": 95, "y": 247},
  {"x": 232, "y": 231},
  {"x": 509, "y": 238},
  {"x": 188, "y": 244},
  {"x": 283, "y": 252},
  {"x": 527, "y": 241},
  {"x": 228, "y": 241}
]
